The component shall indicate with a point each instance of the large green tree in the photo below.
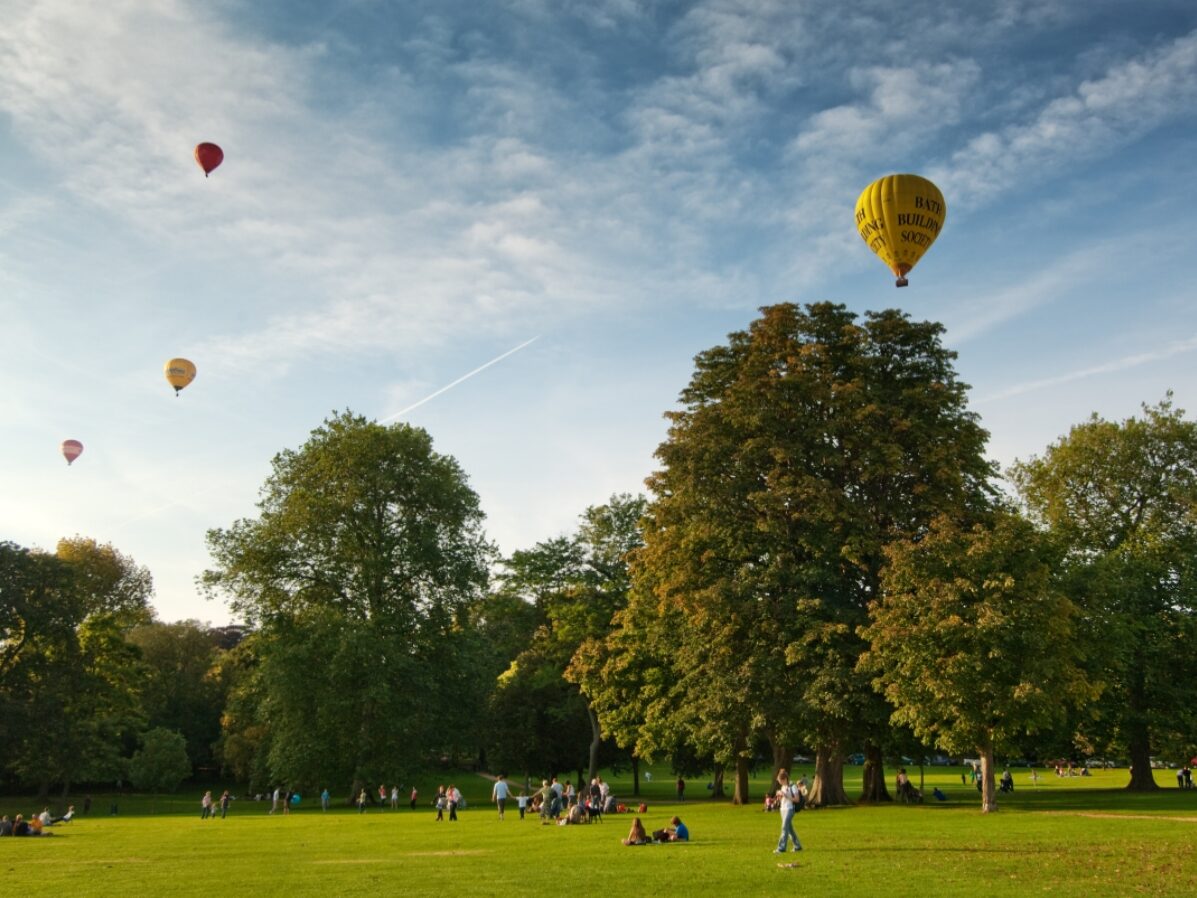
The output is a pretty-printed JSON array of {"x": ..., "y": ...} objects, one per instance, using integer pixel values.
[
  {"x": 802, "y": 448},
  {"x": 69, "y": 680},
  {"x": 358, "y": 572},
  {"x": 1122, "y": 497},
  {"x": 972, "y": 640}
]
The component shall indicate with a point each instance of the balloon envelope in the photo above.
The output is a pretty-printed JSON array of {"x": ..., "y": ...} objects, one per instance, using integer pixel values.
[
  {"x": 179, "y": 373},
  {"x": 208, "y": 155},
  {"x": 899, "y": 217},
  {"x": 71, "y": 450}
]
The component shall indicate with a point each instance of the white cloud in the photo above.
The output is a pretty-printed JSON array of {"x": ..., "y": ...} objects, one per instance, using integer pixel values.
[{"x": 1130, "y": 100}]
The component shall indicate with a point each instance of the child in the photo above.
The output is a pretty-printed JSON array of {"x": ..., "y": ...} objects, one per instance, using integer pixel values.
[{"x": 522, "y": 801}]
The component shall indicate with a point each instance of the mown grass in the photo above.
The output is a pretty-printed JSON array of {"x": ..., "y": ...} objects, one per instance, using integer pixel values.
[{"x": 1080, "y": 836}]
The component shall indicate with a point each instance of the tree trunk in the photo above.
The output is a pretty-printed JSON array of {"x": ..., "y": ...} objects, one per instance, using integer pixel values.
[
  {"x": 635, "y": 776},
  {"x": 988, "y": 792},
  {"x": 874, "y": 775},
  {"x": 740, "y": 795},
  {"x": 596, "y": 738},
  {"x": 718, "y": 791},
  {"x": 1142, "y": 779},
  {"x": 828, "y": 787},
  {"x": 781, "y": 757}
]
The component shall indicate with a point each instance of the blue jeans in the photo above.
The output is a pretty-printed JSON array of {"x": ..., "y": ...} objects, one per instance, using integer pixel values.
[{"x": 787, "y": 829}]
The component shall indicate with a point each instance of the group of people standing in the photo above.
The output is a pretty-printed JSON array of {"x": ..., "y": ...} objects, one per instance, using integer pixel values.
[{"x": 208, "y": 805}]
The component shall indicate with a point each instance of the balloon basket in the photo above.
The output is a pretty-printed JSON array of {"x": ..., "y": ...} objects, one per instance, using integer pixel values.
[{"x": 901, "y": 282}]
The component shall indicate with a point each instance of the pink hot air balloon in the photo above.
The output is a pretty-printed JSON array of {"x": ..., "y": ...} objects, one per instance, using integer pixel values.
[{"x": 71, "y": 450}]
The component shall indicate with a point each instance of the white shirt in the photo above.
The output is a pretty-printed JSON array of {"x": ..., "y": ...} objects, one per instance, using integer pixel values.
[
  {"x": 788, "y": 795},
  {"x": 500, "y": 791}
]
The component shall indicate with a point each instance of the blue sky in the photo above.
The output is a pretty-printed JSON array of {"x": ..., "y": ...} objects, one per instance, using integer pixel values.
[{"x": 413, "y": 189}]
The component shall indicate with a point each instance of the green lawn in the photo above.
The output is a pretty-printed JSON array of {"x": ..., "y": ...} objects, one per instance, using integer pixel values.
[{"x": 1080, "y": 836}]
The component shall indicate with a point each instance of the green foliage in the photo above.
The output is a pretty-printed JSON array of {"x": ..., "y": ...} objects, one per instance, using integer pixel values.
[
  {"x": 69, "y": 683},
  {"x": 1122, "y": 500},
  {"x": 803, "y": 447},
  {"x": 162, "y": 763},
  {"x": 972, "y": 641},
  {"x": 359, "y": 572},
  {"x": 182, "y": 690},
  {"x": 574, "y": 585}
]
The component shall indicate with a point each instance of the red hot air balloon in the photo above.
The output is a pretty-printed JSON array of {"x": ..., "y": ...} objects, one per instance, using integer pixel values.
[
  {"x": 71, "y": 450},
  {"x": 208, "y": 155}
]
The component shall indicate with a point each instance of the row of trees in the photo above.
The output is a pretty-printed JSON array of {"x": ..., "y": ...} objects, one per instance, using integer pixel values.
[
  {"x": 827, "y": 562},
  {"x": 85, "y": 671}
]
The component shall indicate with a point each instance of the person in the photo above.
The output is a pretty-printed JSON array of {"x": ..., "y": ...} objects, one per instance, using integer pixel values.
[
  {"x": 44, "y": 816},
  {"x": 546, "y": 801},
  {"x": 522, "y": 801},
  {"x": 637, "y": 835},
  {"x": 20, "y": 827},
  {"x": 440, "y": 802},
  {"x": 287, "y": 802},
  {"x": 35, "y": 825},
  {"x": 324, "y": 799},
  {"x": 1007, "y": 781},
  {"x": 274, "y": 800},
  {"x": 675, "y": 832},
  {"x": 206, "y": 805},
  {"x": 938, "y": 793},
  {"x": 394, "y": 798},
  {"x": 498, "y": 795},
  {"x": 648, "y": 776},
  {"x": 454, "y": 799},
  {"x": 681, "y": 789},
  {"x": 788, "y": 796},
  {"x": 678, "y": 832},
  {"x": 382, "y": 795},
  {"x": 414, "y": 795},
  {"x": 5, "y": 826},
  {"x": 362, "y": 798},
  {"x": 1188, "y": 777}
]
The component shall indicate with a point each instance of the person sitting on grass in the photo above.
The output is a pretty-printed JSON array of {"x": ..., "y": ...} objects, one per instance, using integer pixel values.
[
  {"x": 637, "y": 835},
  {"x": 65, "y": 818},
  {"x": 5, "y": 826},
  {"x": 675, "y": 832}
]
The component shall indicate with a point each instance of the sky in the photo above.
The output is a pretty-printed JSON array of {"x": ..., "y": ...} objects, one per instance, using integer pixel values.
[{"x": 515, "y": 223}]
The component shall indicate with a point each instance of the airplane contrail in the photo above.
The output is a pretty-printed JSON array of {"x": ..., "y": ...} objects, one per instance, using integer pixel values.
[{"x": 447, "y": 387}]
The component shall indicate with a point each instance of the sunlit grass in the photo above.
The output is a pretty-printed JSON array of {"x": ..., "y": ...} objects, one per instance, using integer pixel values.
[{"x": 1080, "y": 836}]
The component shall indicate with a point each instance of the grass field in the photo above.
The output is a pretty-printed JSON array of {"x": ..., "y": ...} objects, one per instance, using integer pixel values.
[{"x": 1079, "y": 836}]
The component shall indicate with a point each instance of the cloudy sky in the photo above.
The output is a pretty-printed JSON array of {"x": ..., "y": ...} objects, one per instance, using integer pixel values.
[{"x": 589, "y": 192}]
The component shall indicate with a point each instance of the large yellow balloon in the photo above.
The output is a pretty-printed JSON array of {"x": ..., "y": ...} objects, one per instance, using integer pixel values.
[
  {"x": 899, "y": 217},
  {"x": 179, "y": 373}
]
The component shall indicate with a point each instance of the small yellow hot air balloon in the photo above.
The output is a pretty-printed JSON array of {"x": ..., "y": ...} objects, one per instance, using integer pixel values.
[
  {"x": 899, "y": 217},
  {"x": 179, "y": 373}
]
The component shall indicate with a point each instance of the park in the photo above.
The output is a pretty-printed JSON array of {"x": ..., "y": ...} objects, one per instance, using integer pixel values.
[{"x": 412, "y": 409}]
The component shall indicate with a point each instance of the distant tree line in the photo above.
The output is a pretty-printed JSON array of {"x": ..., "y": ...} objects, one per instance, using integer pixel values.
[{"x": 826, "y": 563}]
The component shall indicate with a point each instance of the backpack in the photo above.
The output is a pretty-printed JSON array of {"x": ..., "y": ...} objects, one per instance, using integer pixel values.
[{"x": 799, "y": 799}]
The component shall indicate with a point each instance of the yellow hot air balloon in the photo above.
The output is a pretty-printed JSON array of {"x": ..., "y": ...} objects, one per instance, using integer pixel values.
[
  {"x": 179, "y": 373},
  {"x": 899, "y": 217}
]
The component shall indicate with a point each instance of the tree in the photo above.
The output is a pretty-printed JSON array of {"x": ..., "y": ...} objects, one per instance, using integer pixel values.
[
  {"x": 358, "y": 573},
  {"x": 1122, "y": 497},
  {"x": 71, "y": 680},
  {"x": 576, "y": 584},
  {"x": 803, "y": 447},
  {"x": 161, "y": 764},
  {"x": 182, "y": 692},
  {"x": 972, "y": 641}
]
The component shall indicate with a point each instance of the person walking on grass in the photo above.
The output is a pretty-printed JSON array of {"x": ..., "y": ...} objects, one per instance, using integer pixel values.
[
  {"x": 788, "y": 795},
  {"x": 414, "y": 795},
  {"x": 499, "y": 793},
  {"x": 206, "y": 806},
  {"x": 224, "y": 804}
]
